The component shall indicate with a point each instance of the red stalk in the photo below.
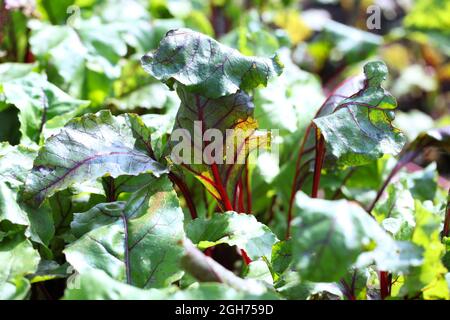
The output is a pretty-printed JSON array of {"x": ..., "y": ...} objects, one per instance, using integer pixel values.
[
  {"x": 245, "y": 257},
  {"x": 186, "y": 194},
  {"x": 320, "y": 156},
  {"x": 385, "y": 284},
  {"x": 248, "y": 189},
  {"x": 294, "y": 183},
  {"x": 446, "y": 230},
  {"x": 220, "y": 188}
]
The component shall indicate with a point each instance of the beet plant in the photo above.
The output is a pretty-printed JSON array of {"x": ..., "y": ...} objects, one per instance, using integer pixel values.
[{"x": 223, "y": 193}]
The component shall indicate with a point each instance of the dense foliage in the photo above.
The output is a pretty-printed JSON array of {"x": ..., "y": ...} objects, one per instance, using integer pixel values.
[{"x": 94, "y": 204}]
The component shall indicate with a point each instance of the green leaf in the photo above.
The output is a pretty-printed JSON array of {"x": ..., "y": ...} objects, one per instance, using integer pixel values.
[
  {"x": 37, "y": 99},
  {"x": 289, "y": 102},
  {"x": 56, "y": 11},
  {"x": 234, "y": 229},
  {"x": 396, "y": 212},
  {"x": 15, "y": 164},
  {"x": 204, "y": 66},
  {"x": 357, "y": 122},
  {"x": 90, "y": 147},
  {"x": 330, "y": 236},
  {"x": 281, "y": 256},
  {"x": 9, "y": 125},
  {"x": 18, "y": 259},
  {"x": 195, "y": 155},
  {"x": 292, "y": 288},
  {"x": 428, "y": 278},
  {"x": 259, "y": 270},
  {"x": 206, "y": 269},
  {"x": 150, "y": 96},
  {"x": 136, "y": 242},
  {"x": 354, "y": 284},
  {"x": 419, "y": 16},
  {"x": 82, "y": 57}
]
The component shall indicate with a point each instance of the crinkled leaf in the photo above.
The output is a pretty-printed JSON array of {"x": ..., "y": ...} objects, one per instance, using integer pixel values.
[
  {"x": 429, "y": 277},
  {"x": 355, "y": 122},
  {"x": 357, "y": 127},
  {"x": 202, "y": 65},
  {"x": 89, "y": 147},
  {"x": 136, "y": 242},
  {"x": 241, "y": 230},
  {"x": 329, "y": 236}
]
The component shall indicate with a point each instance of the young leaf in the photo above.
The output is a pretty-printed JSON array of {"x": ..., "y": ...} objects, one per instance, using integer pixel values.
[
  {"x": 90, "y": 147},
  {"x": 358, "y": 127},
  {"x": 428, "y": 278},
  {"x": 134, "y": 242},
  {"x": 281, "y": 256},
  {"x": 438, "y": 138},
  {"x": 329, "y": 236},
  {"x": 204, "y": 66},
  {"x": 241, "y": 230}
]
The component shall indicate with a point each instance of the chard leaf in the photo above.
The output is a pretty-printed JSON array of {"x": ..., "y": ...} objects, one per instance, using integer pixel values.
[
  {"x": 329, "y": 236},
  {"x": 90, "y": 147},
  {"x": 204, "y": 66},
  {"x": 354, "y": 284},
  {"x": 281, "y": 256},
  {"x": 134, "y": 242},
  {"x": 15, "y": 164},
  {"x": 437, "y": 138},
  {"x": 396, "y": 212},
  {"x": 37, "y": 99},
  {"x": 241, "y": 230},
  {"x": 198, "y": 114},
  {"x": 353, "y": 127},
  {"x": 18, "y": 259},
  {"x": 356, "y": 124}
]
